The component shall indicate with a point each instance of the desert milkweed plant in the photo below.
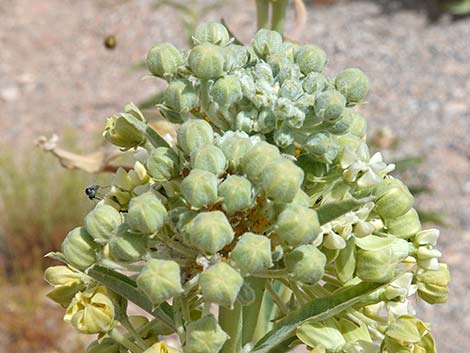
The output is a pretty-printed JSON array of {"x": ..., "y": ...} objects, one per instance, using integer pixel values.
[{"x": 265, "y": 225}]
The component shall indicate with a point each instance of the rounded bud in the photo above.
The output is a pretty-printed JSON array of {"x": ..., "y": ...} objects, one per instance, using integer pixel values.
[
  {"x": 266, "y": 42},
  {"x": 160, "y": 280},
  {"x": 66, "y": 281},
  {"x": 235, "y": 57},
  {"x": 121, "y": 131},
  {"x": 102, "y": 222},
  {"x": 393, "y": 199},
  {"x": 204, "y": 336},
  {"x": 211, "y": 32},
  {"x": 284, "y": 136},
  {"x": 199, "y": 188},
  {"x": 252, "y": 253},
  {"x": 306, "y": 263},
  {"x": 226, "y": 91},
  {"x": 163, "y": 60},
  {"x": 206, "y": 61},
  {"x": 281, "y": 180},
  {"x": 209, "y": 232},
  {"x": 127, "y": 246},
  {"x": 178, "y": 217},
  {"x": 220, "y": 284},
  {"x": 209, "y": 158},
  {"x": 163, "y": 164},
  {"x": 180, "y": 96},
  {"x": 107, "y": 345},
  {"x": 194, "y": 133},
  {"x": 297, "y": 225},
  {"x": 329, "y": 105},
  {"x": 79, "y": 249},
  {"x": 235, "y": 146},
  {"x": 254, "y": 161},
  {"x": 291, "y": 89},
  {"x": 433, "y": 285},
  {"x": 236, "y": 193},
  {"x": 344, "y": 123},
  {"x": 353, "y": 84},
  {"x": 314, "y": 82},
  {"x": 405, "y": 226},
  {"x": 311, "y": 58},
  {"x": 146, "y": 214},
  {"x": 265, "y": 122}
]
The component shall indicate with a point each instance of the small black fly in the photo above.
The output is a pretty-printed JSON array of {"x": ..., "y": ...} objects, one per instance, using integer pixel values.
[{"x": 92, "y": 192}]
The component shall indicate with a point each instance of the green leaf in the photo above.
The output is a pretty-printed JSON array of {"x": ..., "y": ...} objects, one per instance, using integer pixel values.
[
  {"x": 127, "y": 288},
  {"x": 153, "y": 137},
  {"x": 330, "y": 211},
  {"x": 345, "y": 262},
  {"x": 56, "y": 255},
  {"x": 316, "y": 310}
]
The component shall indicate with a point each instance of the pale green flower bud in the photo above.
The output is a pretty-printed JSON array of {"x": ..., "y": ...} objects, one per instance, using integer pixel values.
[
  {"x": 235, "y": 57},
  {"x": 226, "y": 91},
  {"x": 311, "y": 58},
  {"x": 286, "y": 110},
  {"x": 252, "y": 253},
  {"x": 265, "y": 122},
  {"x": 405, "y": 226},
  {"x": 161, "y": 347},
  {"x": 121, "y": 131},
  {"x": 353, "y": 84},
  {"x": 209, "y": 232},
  {"x": 235, "y": 146},
  {"x": 263, "y": 72},
  {"x": 160, "y": 280},
  {"x": 408, "y": 335},
  {"x": 276, "y": 61},
  {"x": 220, "y": 284},
  {"x": 379, "y": 264},
  {"x": 291, "y": 89},
  {"x": 102, "y": 222},
  {"x": 254, "y": 161},
  {"x": 297, "y": 225},
  {"x": 266, "y": 42},
  {"x": 301, "y": 199},
  {"x": 204, "y": 336},
  {"x": 288, "y": 72},
  {"x": 344, "y": 123},
  {"x": 247, "y": 84},
  {"x": 206, "y": 61},
  {"x": 393, "y": 199},
  {"x": 244, "y": 121},
  {"x": 236, "y": 193},
  {"x": 358, "y": 126},
  {"x": 324, "y": 334},
  {"x": 163, "y": 60},
  {"x": 127, "y": 246},
  {"x": 209, "y": 158},
  {"x": 194, "y": 133},
  {"x": 91, "y": 311},
  {"x": 180, "y": 96},
  {"x": 107, "y": 345},
  {"x": 289, "y": 50},
  {"x": 329, "y": 105},
  {"x": 306, "y": 263},
  {"x": 146, "y": 213},
  {"x": 322, "y": 147},
  {"x": 211, "y": 32},
  {"x": 79, "y": 248},
  {"x": 281, "y": 180},
  {"x": 427, "y": 237},
  {"x": 163, "y": 164},
  {"x": 314, "y": 82},
  {"x": 67, "y": 283},
  {"x": 284, "y": 136},
  {"x": 199, "y": 188},
  {"x": 433, "y": 286},
  {"x": 178, "y": 217}
]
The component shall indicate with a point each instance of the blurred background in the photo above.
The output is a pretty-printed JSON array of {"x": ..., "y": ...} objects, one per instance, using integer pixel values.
[{"x": 65, "y": 65}]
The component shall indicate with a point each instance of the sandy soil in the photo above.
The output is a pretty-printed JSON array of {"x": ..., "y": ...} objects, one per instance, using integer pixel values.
[{"x": 55, "y": 74}]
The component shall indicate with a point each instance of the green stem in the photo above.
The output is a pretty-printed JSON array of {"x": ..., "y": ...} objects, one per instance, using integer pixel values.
[
  {"x": 231, "y": 321},
  {"x": 262, "y": 13},
  {"x": 281, "y": 273},
  {"x": 277, "y": 300},
  {"x": 251, "y": 313},
  {"x": 137, "y": 338},
  {"x": 279, "y": 15},
  {"x": 122, "y": 340}
]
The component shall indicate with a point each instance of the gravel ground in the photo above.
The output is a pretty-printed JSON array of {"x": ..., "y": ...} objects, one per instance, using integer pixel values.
[{"x": 55, "y": 74}]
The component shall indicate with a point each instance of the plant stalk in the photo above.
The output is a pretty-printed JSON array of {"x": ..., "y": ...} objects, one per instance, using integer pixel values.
[
  {"x": 262, "y": 13},
  {"x": 279, "y": 15},
  {"x": 122, "y": 340},
  {"x": 251, "y": 313},
  {"x": 231, "y": 321}
]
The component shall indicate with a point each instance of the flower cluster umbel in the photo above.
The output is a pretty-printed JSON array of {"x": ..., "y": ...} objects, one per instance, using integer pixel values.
[{"x": 238, "y": 208}]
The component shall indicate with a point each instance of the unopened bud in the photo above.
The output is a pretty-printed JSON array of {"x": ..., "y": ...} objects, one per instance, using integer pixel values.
[
  {"x": 252, "y": 253},
  {"x": 306, "y": 263},
  {"x": 220, "y": 284}
]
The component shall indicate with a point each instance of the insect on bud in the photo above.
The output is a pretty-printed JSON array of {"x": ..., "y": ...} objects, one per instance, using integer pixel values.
[
  {"x": 220, "y": 284},
  {"x": 163, "y": 60}
]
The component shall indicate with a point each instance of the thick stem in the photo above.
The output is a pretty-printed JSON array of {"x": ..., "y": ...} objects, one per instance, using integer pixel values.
[
  {"x": 231, "y": 321},
  {"x": 279, "y": 15},
  {"x": 251, "y": 313},
  {"x": 262, "y": 13},
  {"x": 135, "y": 335},
  {"x": 122, "y": 340}
]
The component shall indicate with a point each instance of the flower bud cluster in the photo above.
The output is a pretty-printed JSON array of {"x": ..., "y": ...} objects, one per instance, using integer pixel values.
[{"x": 267, "y": 149}]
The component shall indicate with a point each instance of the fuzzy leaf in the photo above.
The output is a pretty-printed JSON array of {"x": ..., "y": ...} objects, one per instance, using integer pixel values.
[{"x": 330, "y": 211}]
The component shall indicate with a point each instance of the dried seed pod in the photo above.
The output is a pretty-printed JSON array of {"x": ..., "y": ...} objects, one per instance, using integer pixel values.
[
  {"x": 220, "y": 284},
  {"x": 206, "y": 61},
  {"x": 79, "y": 248},
  {"x": 353, "y": 84},
  {"x": 297, "y": 225},
  {"x": 306, "y": 263},
  {"x": 193, "y": 134},
  {"x": 236, "y": 193},
  {"x": 163, "y": 164},
  {"x": 211, "y": 32},
  {"x": 160, "y": 280},
  {"x": 163, "y": 60},
  {"x": 252, "y": 253},
  {"x": 209, "y": 232},
  {"x": 102, "y": 222},
  {"x": 281, "y": 180},
  {"x": 311, "y": 58},
  {"x": 146, "y": 214},
  {"x": 199, "y": 188}
]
